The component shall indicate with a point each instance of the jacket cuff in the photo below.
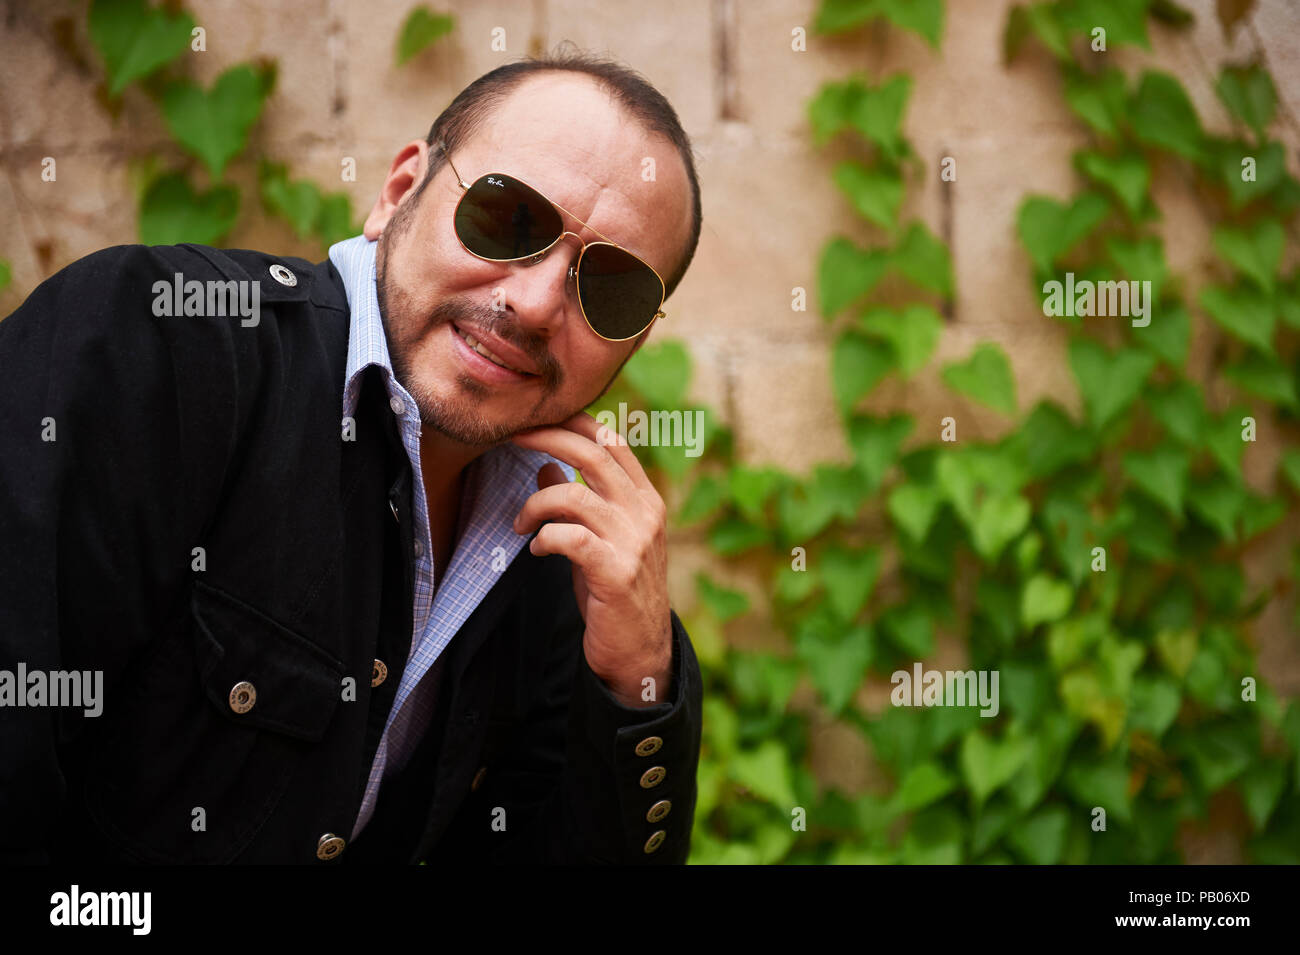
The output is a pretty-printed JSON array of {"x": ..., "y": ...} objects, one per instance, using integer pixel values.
[{"x": 652, "y": 752}]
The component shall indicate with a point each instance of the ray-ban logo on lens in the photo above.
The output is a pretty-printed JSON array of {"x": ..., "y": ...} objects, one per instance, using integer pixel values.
[
  {"x": 211, "y": 299},
  {"x": 495, "y": 182}
]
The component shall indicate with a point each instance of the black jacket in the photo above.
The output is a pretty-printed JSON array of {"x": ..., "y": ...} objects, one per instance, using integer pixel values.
[{"x": 127, "y": 441}]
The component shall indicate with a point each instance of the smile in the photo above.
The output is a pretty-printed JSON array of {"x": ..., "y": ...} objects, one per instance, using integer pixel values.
[{"x": 479, "y": 348}]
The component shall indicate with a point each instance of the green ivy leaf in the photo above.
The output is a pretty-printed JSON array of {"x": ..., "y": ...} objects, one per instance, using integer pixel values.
[
  {"x": 1177, "y": 648},
  {"x": 1048, "y": 440},
  {"x": 732, "y": 536},
  {"x": 765, "y": 771},
  {"x": 6, "y": 275},
  {"x": 172, "y": 213},
  {"x": 1219, "y": 754},
  {"x": 1100, "y": 100},
  {"x": 1244, "y": 311},
  {"x": 846, "y": 273},
  {"x": 660, "y": 373},
  {"x": 875, "y": 443},
  {"x": 751, "y": 488},
  {"x": 1259, "y": 514},
  {"x": 1265, "y": 377},
  {"x": 857, "y": 365},
  {"x": 849, "y": 576},
  {"x": 1162, "y": 116},
  {"x": 1126, "y": 176},
  {"x": 921, "y": 257},
  {"x": 298, "y": 203},
  {"x": 987, "y": 765},
  {"x": 913, "y": 508},
  {"x": 913, "y": 333},
  {"x": 1141, "y": 260},
  {"x": 1218, "y": 501},
  {"x": 1249, "y": 95},
  {"x": 703, "y": 500},
  {"x": 723, "y": 602},
  {"x": 421, "y": 28},
  {"x": 1154, "y": 704},
  {"x": 1289, "y": 466},
  {"x": 875, "y": 193},
  {"x": 837, "y": 663},
  {"x": 878, "y": 113},
  {"x": 1168, "y": 336},
  {"x": 1108, "y": 381},
  {"x": 1261, "y": 788},
  {"x": 1049, "y": 228},
  {"x": 999, "y": 518},
  {"x": 1039, "y": 19},
  {"x": 1162, "y": 474},
  {"x": 1269, "y": 169},
  {"x": 986, "y": 377},
  {"x": 214, "y": 125},
  {"x": 923, "y": 16},
  {"x": 910, "y": 629},
  {"x": 136, "y": 39},
  {"x": 1179, "y": 410},
  {"x": 1101, "y": 783},
  {"x": 924, "y": 784},
  {"x": 1255, "y": 252},
  {"x": 1044, "y": 600},
  {"x": 1223, "y": 439},
  {"x": 1123, "y": 20}
]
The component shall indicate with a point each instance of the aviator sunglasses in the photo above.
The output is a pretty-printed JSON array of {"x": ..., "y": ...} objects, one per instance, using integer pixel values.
[{"x": 503, "y": 219}]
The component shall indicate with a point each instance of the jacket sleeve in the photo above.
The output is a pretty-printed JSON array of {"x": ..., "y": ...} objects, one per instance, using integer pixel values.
[
  {"x": 111, "y": 427},
  {"x": 583, "y": 779}
]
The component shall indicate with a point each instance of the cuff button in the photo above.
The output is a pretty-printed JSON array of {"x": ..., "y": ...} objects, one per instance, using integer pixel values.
[
  {"x": 655, "y": 841},
  {"x": 652, "y": 777},
  {"x": 659, "y": 810}
]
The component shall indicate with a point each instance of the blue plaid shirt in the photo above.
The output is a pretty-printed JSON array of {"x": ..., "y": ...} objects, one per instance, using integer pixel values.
[{"x": 496, "y": 485}]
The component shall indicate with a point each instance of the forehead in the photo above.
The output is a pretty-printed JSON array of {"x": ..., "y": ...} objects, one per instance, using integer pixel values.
[{"x": 567, "y": 137}]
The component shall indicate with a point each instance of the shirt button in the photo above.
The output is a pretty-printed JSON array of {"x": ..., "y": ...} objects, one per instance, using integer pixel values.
[
  {"x": 283, "y": 275},
  {"x": 478, "y": 779},
  {"x": 658, "y": 811},
  {"x": 655, "y": 841},
  {"x": 329, "y": 846},
  {"x": 649, "y": 746},
  {"x": 652, "y": 777},
  {"x": 378, "y": 673},
  {"x": 242, "y": 696},
  {"x": 396, "y": 404}
]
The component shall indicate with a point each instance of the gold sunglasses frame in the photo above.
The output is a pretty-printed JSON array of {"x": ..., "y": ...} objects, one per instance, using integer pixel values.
[{"x": 538, "y": 256}]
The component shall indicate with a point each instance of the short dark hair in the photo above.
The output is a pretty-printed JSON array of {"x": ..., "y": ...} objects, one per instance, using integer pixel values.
[{"x": 460, "y": 121}]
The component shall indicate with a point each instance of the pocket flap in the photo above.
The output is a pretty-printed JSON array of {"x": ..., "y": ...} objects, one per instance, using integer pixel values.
[{"x": 296, "y": 685}]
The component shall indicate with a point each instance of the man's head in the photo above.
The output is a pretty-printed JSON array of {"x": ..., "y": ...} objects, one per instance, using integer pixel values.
[{"x": 583, "y": 131}]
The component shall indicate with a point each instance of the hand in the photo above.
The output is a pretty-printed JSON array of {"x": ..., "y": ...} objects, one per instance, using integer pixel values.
[{"x": 614, "y": 532}]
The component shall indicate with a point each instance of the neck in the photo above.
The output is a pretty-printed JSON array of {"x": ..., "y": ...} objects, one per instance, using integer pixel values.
[{"x": 442, "y": 462}]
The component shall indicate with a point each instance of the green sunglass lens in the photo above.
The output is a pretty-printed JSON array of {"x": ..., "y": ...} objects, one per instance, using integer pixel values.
[
  {"x": 501, "y": 218},
  {"x": 619, "y": 292}
]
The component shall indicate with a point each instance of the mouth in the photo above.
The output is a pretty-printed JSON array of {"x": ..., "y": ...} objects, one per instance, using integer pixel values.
[{"x": 480, "y": 356}]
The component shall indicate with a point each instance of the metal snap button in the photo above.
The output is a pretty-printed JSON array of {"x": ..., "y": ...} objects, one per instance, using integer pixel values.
[
  {"x": 283, "y": 275},
  {"x": 653, "y": 776},
  {"x": 378, "y": 673},
  {"x": 655, "y": 841},
  {"x": 649, "y": 746},
  {"x": 242, "y": 696},
  {"x": 658, "y": 811},
  {"x": 396, "y": 404},
  {"x": 329, "y": 846}
]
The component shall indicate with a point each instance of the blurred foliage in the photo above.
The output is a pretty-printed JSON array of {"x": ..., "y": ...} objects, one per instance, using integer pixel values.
[
  {"x": 147, "y": 47},
  {"x": 1120, "y": 688},
  {"x": 421, "y": 27}
]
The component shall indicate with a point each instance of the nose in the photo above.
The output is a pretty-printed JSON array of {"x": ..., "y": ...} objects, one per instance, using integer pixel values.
[{"x": 538, "y": 292}]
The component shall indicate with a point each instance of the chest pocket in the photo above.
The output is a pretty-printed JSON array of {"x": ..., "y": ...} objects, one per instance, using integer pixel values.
[{"x": 208, "y": 733}]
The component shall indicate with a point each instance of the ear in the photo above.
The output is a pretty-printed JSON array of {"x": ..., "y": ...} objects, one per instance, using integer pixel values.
[{"x": 404, "y": 175}]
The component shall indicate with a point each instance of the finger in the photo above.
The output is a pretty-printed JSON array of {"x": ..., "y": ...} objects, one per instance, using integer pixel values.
[
  {"x": 569, "y": 503},
  {"x": 616, "y": 444},
  {"x": 583, "y": 548},
  {"x": 599, "y": 468}
]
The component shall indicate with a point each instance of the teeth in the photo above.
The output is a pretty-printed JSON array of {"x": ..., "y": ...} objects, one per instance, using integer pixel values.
[{"x": 482, "y": 349}]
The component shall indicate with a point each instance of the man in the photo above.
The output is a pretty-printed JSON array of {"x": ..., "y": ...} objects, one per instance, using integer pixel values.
[{"x": 345, "y": 600}]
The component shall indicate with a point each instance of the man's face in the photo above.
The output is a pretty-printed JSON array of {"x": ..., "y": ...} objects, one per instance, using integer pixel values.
[{"x": 565, "y": 137}]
